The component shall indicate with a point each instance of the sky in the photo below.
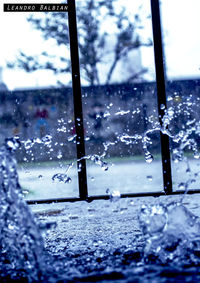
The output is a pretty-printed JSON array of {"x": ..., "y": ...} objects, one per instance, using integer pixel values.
[{"x": 180, "y": 20}]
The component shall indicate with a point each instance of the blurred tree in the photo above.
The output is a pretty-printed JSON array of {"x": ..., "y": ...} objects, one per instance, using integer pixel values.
[{"x": 106, "y": 32}]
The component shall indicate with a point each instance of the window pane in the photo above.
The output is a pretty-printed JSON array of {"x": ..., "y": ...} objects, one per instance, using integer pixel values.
[
  {"x": 39, "y": 107},
  {"x": 182, "y": 68},
  {"x": 120, "y": 103}
]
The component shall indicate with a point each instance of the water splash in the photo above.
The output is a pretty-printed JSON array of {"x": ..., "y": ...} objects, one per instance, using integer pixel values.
[
  {"x": 172, "y": 233},
  {"x": 98, "y": 160},
  {"x": 20, "y": 240},
  {"x": 63, "y": 177},
  {"x": 148, "y": 156},
  {"x": 114, "y": 195}
]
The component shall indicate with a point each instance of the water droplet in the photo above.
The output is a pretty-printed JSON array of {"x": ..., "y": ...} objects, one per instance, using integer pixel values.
[
  {"x": 148, "y": 157},
  {"x": 47, "y": 139},
  {"x": 149, "y": 178},
  {"x": 40, "y": 176},
  {"x": 95, "y": 243},
  {"x": 162, "y": 106},
  {"x": 12, "y": 143},
  {"x": 171, "y": 232},
  {"x": 17, "y": 222},
  {"x": 182, "y": 186},
  {"x": 62, "y": 129},
  {"x": 152, "y": 219},
  {"x": 177, "y": 155},
  {"x": 11, "y": 227},
  {"x": 61, "y": 178},
  {"x": 59, "y": 156},
  {"x": 106, "y": 114},
  {"x": 114, "y": 195},
  {"x": 196, "y": 155},
  {"x": 104, "y": 166},
  {"x": 79, "y": 167},
  {"x": 170, "y": 112},
  {"x": 37, "y": 140},
  {"x": 122, "y": 112},
  {"x": 25, "y": 191},
  {"x": 188, "y": 171},
  {"x": 169, "y": 98},
  {"x": 71, "y": 138}
]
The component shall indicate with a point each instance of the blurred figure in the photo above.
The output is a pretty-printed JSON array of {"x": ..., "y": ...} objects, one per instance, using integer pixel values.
[
  {"x": 41, "y": 116},
  {"x": 97, "y": 115}
]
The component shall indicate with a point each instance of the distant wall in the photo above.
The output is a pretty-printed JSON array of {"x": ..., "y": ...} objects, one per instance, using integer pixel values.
[{"x": 109, "y": 111}]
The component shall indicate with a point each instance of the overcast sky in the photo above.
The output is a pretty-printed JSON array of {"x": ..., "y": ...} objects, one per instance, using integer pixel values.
[{"x": 181, "y": 23}]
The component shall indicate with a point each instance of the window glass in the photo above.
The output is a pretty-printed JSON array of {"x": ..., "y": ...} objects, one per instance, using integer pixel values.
[
  {"x": 181, "y": 45},
  {"x": 119, "y": 98},
  {"x": 38, "y": 104}
]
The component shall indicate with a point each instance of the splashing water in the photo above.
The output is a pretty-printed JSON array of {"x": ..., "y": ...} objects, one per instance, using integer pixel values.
[
  {"x": 98, "y": 160},
  {"x": 63, "y": 177},
  {"x": 172, "y": 233},
  {"x": 114, "y": 195},
  {"x": 20, "y": 240}
]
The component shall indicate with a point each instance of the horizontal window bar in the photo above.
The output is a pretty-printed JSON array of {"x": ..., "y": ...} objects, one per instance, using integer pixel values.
[{"x": 107, "y": 197}]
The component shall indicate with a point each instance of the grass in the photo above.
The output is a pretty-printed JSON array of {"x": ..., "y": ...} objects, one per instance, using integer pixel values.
[
  {"x": 117, "y": 159},
  {"x": 133, "y": 158},
  {"x": 43, "y": 164},
  {"x": 47, "y": 164}
]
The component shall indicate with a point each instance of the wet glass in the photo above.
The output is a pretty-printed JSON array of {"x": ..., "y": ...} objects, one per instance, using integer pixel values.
[
  {"x": 181, "y": 45},
  {"x": 39, "y": 109},
  {"x": 120, "y": 106}
]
